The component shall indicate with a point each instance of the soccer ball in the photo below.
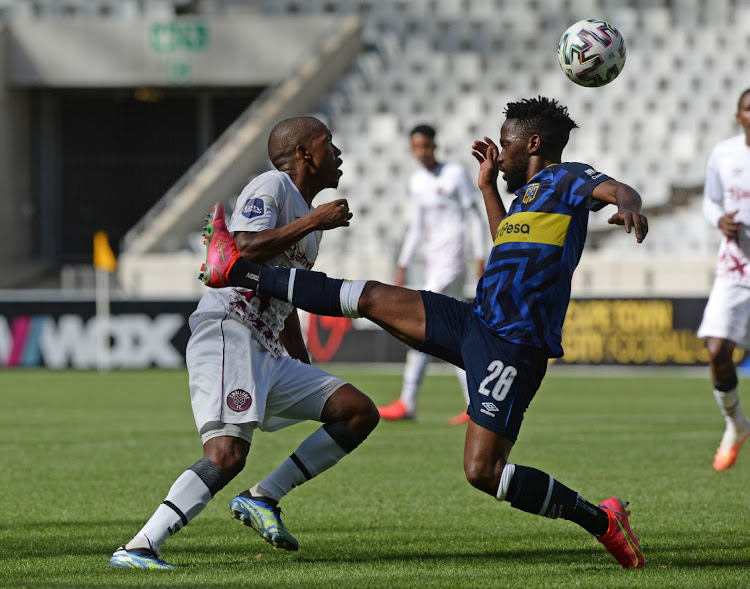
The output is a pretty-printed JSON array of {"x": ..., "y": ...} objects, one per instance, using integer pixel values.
[{"x": 591, "y": 53}]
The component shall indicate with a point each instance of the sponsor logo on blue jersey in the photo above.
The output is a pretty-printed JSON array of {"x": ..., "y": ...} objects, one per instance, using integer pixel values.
[
  {"x": 593, "y": 173},
  {"x": 506, "y": 227},
  {"x": 253, "y": 208}
]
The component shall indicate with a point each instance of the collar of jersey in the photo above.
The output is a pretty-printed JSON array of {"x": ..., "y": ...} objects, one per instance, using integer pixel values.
[{"x": 531, "y": 181}]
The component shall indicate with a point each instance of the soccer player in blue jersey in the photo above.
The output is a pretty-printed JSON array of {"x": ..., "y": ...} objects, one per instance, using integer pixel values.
[{"x": 506, "y": 336}]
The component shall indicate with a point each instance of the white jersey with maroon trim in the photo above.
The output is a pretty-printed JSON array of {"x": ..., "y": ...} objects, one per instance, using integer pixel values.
[
  {"x": 270, "y": 201},
  {"x": 443, "y": 200},
  {"x": 727, "y": 189}
]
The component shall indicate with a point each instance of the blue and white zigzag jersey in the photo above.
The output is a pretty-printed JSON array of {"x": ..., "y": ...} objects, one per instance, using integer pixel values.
[{"x": 524, "y": 292}]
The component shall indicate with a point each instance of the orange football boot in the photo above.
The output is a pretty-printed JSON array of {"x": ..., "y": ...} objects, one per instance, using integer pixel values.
[
  {"x": 619, "y": 540},
  {"x": 459, "y": 419},
  {"x": 729, "y": 448},
  {"x": 396, "y": 411},
  {"x": 221, "y": 251}
]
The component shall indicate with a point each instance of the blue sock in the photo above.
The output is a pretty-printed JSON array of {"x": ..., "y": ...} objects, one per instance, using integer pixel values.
[
  {"x": 536, "y": 492},
  {"x": 311, "y": 291}
]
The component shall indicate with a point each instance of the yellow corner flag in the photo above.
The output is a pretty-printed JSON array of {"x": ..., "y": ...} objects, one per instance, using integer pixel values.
[{"x": 104, "y": 257}]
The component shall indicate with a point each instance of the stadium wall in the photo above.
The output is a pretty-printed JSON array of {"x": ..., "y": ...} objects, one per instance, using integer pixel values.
[
  {"x": 15, "y": 175},
  {"x": 58, "y": 333},
  {"x": 205, "y": 50}
]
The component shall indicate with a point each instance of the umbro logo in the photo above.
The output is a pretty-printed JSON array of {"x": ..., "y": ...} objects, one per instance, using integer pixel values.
[{"x": 489, "y": 408}]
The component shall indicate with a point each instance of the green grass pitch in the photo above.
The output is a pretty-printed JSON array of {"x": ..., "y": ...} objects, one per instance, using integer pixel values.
[{"x": 87, "y": 457}]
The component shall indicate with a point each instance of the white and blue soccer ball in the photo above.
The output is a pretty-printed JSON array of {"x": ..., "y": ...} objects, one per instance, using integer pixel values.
[{"x": 591, "y": 53}]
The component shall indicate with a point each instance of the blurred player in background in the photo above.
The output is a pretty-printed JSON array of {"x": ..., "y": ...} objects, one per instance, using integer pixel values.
[
  {"x": 506, "y": 336},
  {"x": 444, "y": 201},
  {"x": 726, "y": 319},
  {"x": 241, "y": 378}
]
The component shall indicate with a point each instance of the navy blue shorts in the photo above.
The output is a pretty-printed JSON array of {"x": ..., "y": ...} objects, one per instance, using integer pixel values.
[{"x": 503, "y": 377}]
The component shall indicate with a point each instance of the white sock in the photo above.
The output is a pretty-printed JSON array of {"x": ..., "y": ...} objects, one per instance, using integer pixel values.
[
  {"x": 505, "y": 477},
  {"x": 258, "y": 491},
  {"x": 729, "y": 404},
  {"x": 189, "y": 494},
  {"x": 416, "y": 364},
  {"x": 349, "y": 295},
  {"x": 315, "y": 454},
  {"x": 461, "y": 375}
]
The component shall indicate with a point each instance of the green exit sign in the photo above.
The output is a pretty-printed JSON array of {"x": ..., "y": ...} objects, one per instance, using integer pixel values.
[{"x": 178, "y": 36}]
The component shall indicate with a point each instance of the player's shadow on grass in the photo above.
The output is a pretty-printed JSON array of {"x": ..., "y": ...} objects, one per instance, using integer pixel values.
[
  {"x": 593, "y": 556},
  {"x": 690, "y": 557},
  {"x": 35, "y": 542},
  {"x": 65, "y": 538},
  {"x": 269, "y": 557}
]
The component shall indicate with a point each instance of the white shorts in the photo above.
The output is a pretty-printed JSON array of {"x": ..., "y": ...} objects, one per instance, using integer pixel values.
[
  {"x": 451, "y": 286},
  {"x": 727, "y": 313},
  {"x": 237, "y": 385}
]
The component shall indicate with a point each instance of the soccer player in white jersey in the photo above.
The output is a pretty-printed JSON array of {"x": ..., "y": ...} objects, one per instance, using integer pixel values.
[
  {"x": 726, "y": 319},
  {"x": 444, "y": 201},
  {"x": 247, "y": 363}
]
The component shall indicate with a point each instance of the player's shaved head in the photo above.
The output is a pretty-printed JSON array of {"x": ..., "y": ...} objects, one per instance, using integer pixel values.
[
  {"x": 288, "y": 134},
  {"x": 741, "y": 98}
]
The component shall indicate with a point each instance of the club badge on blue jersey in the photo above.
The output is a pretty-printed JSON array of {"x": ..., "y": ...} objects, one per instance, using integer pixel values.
[
  {"x": 530, "y": 193},
  {"x": 253, "y": 208}
]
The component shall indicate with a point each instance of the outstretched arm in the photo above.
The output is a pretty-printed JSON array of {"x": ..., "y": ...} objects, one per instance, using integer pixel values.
[
  {"x": 488, "y": 154},
  {"x": 628, "y": 203},
  {"x": 262, "y": 246}
]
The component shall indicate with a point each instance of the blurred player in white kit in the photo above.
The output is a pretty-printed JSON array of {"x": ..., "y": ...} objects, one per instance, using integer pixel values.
[
  {"x": 726, "y": 319},
  {"x": 247, "y": 363},
  {"x": 444, "y": 201}
]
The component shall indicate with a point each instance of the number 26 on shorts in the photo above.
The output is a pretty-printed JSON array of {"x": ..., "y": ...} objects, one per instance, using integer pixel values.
[{"x": 502, "y": 376}]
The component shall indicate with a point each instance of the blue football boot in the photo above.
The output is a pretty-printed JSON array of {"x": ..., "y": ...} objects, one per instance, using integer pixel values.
[
  {"x": 137, "y": 558},
  {"x": 263, "y": 516}
]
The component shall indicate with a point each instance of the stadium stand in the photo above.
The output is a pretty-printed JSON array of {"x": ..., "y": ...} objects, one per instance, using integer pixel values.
[
  {"x": 652, "y": 128},
  {"x": 455, "y": 63}
]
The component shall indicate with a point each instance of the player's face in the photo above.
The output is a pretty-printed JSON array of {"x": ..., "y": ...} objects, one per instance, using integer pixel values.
[
  {"x": 743, "y": 113},
  {"x": 326, "y": 158},
  {"x": 514, "y": 157},
  {"x": 423, "y": 149}
]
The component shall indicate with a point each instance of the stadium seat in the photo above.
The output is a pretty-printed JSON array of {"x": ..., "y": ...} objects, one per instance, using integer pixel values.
[
  {"x": 716, "y": 14},
  {"x": 481, "y": 9},
  {"x": 17, "y": 10},
  {"x": 466, "y": 66},
  {"x": 686, "y": 13},
  {"x": 656, "y": 19}
]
